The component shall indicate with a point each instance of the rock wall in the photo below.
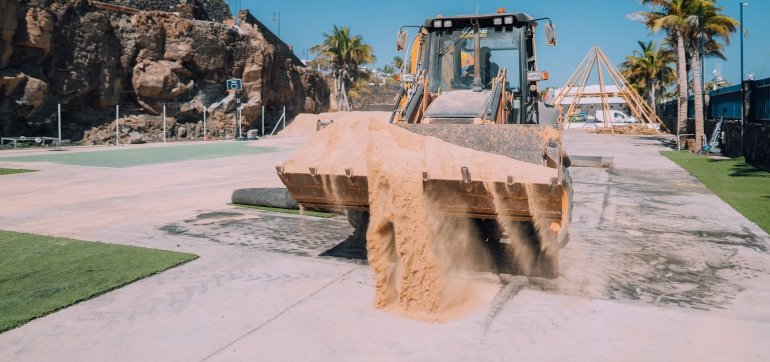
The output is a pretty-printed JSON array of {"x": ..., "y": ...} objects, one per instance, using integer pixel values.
[
  {"x": 756, "y": 140},
  {"x": 90, "y": 59},
  {"x": 758, "y": 144},
  {"x": 376, "y": 98}
]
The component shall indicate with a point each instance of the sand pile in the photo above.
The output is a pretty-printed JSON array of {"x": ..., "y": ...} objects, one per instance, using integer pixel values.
[
  {"x": 629, "y": 129},
  {"x": 420, "y": 258},
  {"x": 304, "y": 124},
  {"x": 354, "y": 142}
]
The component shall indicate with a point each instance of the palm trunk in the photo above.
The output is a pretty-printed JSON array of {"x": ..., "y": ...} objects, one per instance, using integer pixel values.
[
  {"x": 344, "y": 103},
  {"x": 651, "y": 96},
  {"x": 336, "y": 92},
  {"x": 698, "y": 94},
  {"x": 652, "y": 99},
  {"x": 681, "y": 119}
]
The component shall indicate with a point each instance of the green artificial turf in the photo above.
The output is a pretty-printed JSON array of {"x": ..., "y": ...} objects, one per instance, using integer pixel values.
[
  {"x": 743, "y": 186},
  {"x": 42, "y": 274},
  {"x": 11, "y": 171},
  {"x": 130, "y": 156},
  {"x": 288, "y": 211}
]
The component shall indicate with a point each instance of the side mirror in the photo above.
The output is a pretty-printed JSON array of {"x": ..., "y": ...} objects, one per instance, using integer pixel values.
[
  {"x": 550, "y": 34},
  {"x": 401, "y": 41}
]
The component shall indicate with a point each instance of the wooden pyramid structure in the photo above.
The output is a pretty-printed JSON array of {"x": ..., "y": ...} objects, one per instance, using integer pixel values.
[{"x": 575, "y": 90}]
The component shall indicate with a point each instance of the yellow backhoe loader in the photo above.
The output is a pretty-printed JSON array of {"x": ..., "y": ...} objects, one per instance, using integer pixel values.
[{"x": 473, "y": 81}]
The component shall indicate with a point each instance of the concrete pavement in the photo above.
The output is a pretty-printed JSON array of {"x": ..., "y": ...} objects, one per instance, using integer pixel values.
[{"x": 657, "y": 268}]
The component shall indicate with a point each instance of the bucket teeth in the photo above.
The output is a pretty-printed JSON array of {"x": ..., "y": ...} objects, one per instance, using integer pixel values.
[
  {"x": 466, "y": 174},
  {"x": 466, "y": 178},
  {"x": 552, "y": 186},
  {"x": 279, "y": 169},
  {"x": 314, "y": 173},
  {"x": 349, "y": 174},
  {"x": 425, "y": 176}
]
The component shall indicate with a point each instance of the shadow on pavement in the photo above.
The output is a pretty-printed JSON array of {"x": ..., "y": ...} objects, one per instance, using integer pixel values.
[{"x": 354, "y": 247}]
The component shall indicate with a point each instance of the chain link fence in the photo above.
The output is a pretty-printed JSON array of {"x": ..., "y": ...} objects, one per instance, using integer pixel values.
[{"x": 130, "y": 124}]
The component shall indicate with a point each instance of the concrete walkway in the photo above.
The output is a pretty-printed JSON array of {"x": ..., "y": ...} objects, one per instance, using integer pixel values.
[{"x": 657, "y": 268}]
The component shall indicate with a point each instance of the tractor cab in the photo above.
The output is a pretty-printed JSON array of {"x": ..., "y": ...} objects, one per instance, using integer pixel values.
[{"x": 473, "y": 69}]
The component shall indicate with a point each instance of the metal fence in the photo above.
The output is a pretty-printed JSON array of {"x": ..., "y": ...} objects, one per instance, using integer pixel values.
[
  {"x": 273, "y": 121},
  {"x": 128, "y": 123},
  {"x": 760, "y": 100},
  {"x": 667, "y": 109},
  {"x": 727, "y": 101},
  {"x": 670, "y": 108}
]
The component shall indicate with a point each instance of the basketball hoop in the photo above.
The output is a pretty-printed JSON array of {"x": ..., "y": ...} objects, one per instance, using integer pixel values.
[{"x": 231, "y": 91}]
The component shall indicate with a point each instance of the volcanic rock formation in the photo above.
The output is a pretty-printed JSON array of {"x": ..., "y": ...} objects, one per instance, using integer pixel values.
[{"x": 91, "y": 56}]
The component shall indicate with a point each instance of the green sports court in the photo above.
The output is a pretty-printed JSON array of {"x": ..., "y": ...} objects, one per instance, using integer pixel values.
[{"x": 130, "y": 156}]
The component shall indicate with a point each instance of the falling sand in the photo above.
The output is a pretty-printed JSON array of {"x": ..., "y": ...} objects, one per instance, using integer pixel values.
[{"x": 421, "y": 259}]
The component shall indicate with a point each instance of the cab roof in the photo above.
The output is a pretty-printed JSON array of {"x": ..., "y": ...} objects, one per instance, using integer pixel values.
[{"x": 460, "y": 21}]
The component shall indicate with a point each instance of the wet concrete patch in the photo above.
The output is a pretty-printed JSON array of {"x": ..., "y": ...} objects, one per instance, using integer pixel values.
[
  {"x": 703, "y": 268},
  {"x": 173, "y": 229},
  {"x": 650, "y": 243},
  {"x": 291, "y": 234},
  {"x": 744, "y": 239},
  {"x": 666, "y": 279},
  {"x": 215, "y": 215}
]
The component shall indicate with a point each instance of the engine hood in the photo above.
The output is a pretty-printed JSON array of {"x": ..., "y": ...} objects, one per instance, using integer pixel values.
[{"x": 459, "y": 104}]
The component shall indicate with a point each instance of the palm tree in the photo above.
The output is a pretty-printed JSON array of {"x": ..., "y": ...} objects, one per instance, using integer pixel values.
[
  {"x": 636, "y": 72},
  {"x": 345, "y": 53},
  {"x": 709, "y": 28},
  {"x": 398, "y": 62},
  {"x": 388, "y": 70},
  {"x": 690, "y": 23},
  {"x": 673, "y": 17},
  {"x": 649, "y": 70}
]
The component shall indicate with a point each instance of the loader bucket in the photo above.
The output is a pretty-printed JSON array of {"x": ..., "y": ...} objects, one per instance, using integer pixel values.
[{"x": 462, "y": 195}]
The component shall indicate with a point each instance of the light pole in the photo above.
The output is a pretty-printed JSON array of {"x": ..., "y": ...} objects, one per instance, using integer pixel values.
[
  {"x": 277, "y": 19},
  {"x": 743, "y": 96}
]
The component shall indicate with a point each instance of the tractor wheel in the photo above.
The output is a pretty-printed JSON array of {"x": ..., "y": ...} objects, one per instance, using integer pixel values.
[
  {"x": 490, "y": 234},
  {"x": 359, "y": 220}
]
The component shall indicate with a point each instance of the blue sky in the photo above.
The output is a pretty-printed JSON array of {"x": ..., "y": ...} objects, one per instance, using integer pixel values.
[{"x": 580, "y": 24}]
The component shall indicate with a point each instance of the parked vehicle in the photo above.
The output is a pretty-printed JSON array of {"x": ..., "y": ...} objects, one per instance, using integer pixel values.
[
  {"x": 615, "y": 117},
  {"x": 578, "y": 117}
]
